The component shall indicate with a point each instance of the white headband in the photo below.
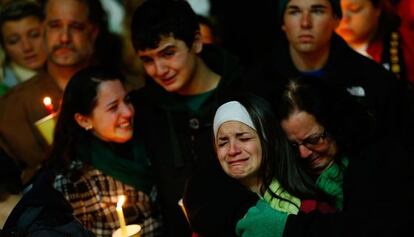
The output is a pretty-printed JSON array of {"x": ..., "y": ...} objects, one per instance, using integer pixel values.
[{"x": 231, "y": 111}]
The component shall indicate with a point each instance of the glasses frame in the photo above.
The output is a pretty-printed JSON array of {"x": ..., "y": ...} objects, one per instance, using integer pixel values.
[{"x": 309, "y": 142}]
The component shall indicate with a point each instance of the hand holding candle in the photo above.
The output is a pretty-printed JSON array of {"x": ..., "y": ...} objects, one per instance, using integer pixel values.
[{"x": 121, "y": 200}]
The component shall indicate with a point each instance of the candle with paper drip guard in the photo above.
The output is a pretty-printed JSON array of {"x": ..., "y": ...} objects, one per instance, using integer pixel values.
[
  {"x": 47, "y": 101},
  {"x": 46, "y": 125},
  {"x": 121, "y": 200},
  {"x": 125, "y": 230},
  {"x": 132, "y": 231}
]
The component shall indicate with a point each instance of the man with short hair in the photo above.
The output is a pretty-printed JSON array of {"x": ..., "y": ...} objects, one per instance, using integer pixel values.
[
  {"x": 71, "y": 29},
  {"x": 310, "y": 47},
  {"x": 186, "y": 81},
  {"x": 309, "y": 27}
]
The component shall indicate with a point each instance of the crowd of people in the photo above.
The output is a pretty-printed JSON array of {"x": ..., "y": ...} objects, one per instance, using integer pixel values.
[{"x": 311, "y": 136}]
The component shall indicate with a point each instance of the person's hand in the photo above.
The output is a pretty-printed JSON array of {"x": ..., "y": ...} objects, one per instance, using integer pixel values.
[{"x": 262, "y": 221}]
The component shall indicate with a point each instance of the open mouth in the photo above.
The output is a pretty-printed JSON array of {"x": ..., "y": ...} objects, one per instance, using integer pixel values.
[
  {"x": 237, "y": 162},
  {"x": 314, "y": 160},
  {"x": 168, "y": 81},
  {"x": 125, "y": 125}
]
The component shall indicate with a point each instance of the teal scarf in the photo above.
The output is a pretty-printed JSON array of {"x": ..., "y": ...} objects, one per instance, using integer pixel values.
[{"x": 127, "y": 162}]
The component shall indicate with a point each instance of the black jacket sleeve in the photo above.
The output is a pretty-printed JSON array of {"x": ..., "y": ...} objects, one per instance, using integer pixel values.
[{"x": 215, "y": 202}]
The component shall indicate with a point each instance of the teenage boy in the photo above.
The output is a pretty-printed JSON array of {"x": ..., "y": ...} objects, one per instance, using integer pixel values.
[{"x": 186, "y": 81}]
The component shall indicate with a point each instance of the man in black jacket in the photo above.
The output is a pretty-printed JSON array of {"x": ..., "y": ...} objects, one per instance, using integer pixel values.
[
  {"x": 310, "y": 47},
  {"x": 186, "y": 81}
]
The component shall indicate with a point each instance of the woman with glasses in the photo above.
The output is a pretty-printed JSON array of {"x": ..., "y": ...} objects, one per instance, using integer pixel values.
[
  {"x": 367, "y": 174},
  {"x": 315, "y": 120},
  {"x": 259, "y": 176},
  {"x": 339, "y": 159}
]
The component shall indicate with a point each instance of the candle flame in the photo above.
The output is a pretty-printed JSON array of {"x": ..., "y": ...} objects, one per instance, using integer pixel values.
[
  {"x": 47, "y": 101},
  {"x": 121, "y": 200}
]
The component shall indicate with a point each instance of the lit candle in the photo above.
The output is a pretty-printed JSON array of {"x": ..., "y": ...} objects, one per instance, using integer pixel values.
[
  {"x": 121, "y": 200},
  {"x": 47, "y": 101},
  {"x": 181, "y": 204}
]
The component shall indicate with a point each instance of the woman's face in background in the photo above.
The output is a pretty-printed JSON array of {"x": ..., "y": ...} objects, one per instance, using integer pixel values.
[
  {"x": 23, "y": 42},
  {"x": 359, "y": 23},
  {"x": 306, "y": 134}
]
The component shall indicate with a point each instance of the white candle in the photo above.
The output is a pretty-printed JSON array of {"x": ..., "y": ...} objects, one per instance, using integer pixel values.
[
  {"x": 181, "y": 204},
  {"x": 121, "y": 200}
]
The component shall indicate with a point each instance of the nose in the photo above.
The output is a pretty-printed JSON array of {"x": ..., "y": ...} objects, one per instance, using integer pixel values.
[
  {"x": 234, "y": 149},
  {"x": 127, "y": 110},
  {"x": 346, "y": 17},
  {"x": 306, "y": 21},
  {"x": 304, "y": 152},
  {"x": 27, "y": 45},
  {"x": 160, "y": 68},
  {"x": 64, "y": 36}
]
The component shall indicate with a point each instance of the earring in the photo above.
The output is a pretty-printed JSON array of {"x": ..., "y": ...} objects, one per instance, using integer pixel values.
[{"x": 88, "y": 128}]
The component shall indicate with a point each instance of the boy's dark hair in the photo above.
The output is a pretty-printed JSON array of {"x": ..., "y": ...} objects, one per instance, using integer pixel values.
[
  {"x": 155, "y": 19},
  {"x": 10, "y": 181},
  {"x": 16, "y": 10}
]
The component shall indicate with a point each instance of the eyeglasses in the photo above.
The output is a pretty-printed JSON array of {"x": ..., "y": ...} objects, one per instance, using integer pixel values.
[{"x": 311, "y": 142}]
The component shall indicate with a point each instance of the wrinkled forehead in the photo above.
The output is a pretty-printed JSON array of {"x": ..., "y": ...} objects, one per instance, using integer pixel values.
[
  {"x": 300, "y": 125},
  {"x": 73, "y": 10}
]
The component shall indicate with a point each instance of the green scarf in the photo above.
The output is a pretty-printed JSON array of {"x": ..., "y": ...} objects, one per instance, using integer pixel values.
[
  {"x": 127, "y": 162},
  {"x": 331, "y": 181}
]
